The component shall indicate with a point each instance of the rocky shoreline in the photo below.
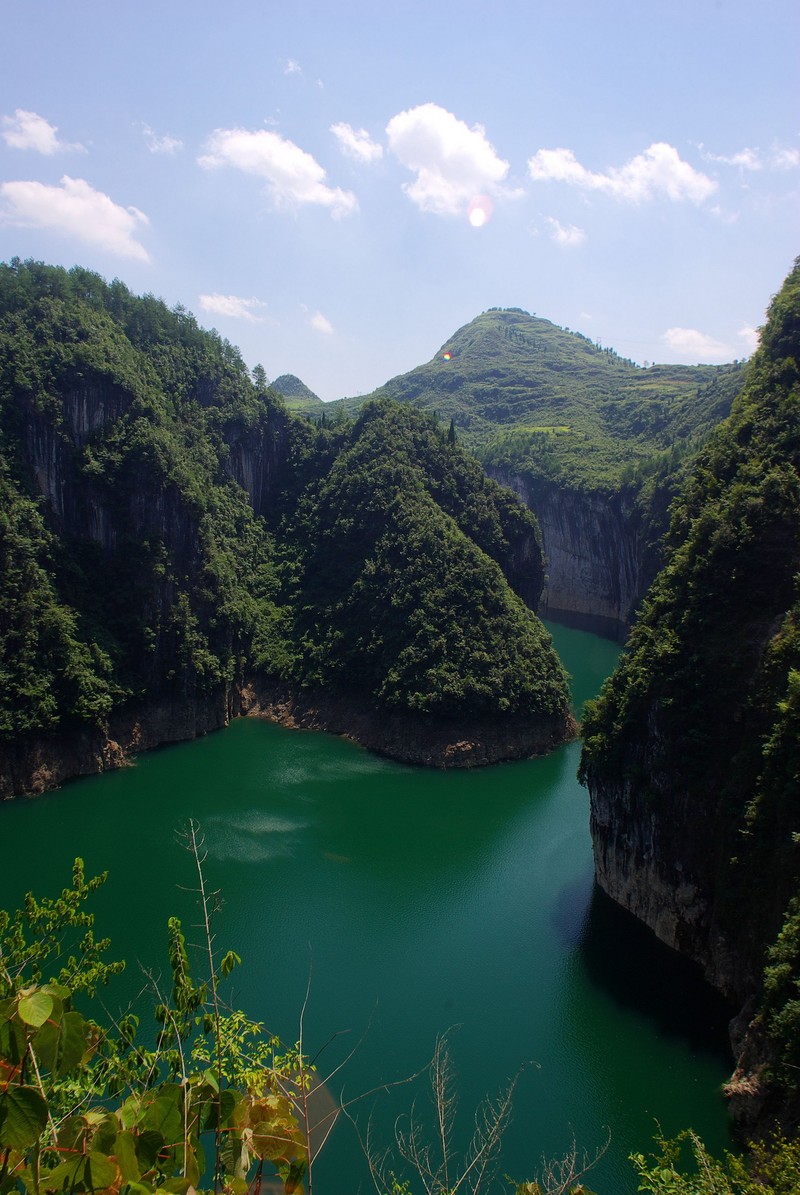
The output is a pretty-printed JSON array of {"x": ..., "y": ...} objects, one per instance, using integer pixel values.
[{"x": 42, "y": 763}]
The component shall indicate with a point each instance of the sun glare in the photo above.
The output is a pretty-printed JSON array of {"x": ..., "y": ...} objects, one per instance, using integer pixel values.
[{"x": 480, "y": 211}]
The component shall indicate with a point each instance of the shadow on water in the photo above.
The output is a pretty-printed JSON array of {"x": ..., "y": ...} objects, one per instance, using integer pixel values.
[
  {"x": 571, "y": 909},
  {"x": 626, "y": 960}
]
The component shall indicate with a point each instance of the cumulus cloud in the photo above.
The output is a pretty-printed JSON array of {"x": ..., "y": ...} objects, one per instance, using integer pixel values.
[
  {"x": 28, "y": 130},
  {"x": 568, "y": 235},
  {"x": 163, "y": 144},
  {"x": 659, "y": 171},
  {"x": 356, "y": 143},
  {"x": 696, "y": 346},
  {"x": 292, "y": 175},
  {"x": 233, "y": 307},
  {"x": 292, "y": 67},
  {"x": 75, "y": 208},
  {"x": 321, "y": 324},
  {"x": 452, "y": 162}
]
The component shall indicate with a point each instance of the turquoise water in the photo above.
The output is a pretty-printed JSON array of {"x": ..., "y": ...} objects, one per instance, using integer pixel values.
[{"x": 409, "y": 903}]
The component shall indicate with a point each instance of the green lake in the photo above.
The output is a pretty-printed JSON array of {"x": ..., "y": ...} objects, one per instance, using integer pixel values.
[{"x": 409, "y": 902}]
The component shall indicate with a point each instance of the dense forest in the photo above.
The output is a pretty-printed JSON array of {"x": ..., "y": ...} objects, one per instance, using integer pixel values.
[
  {"x": 168, "y": 531},
  {"x": 691, "y": 752}
]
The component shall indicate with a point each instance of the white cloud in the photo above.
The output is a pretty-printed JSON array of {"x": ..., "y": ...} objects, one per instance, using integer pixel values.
[
  {"x": 747, "y": 159},
  {"x": 160, "y": 144},
  {"x": 75, "y": 208},
  {"x": 292, "y": 175},
  {"x": 723, "y": 215},
  {"x": 786, "y": 159},
  {"x": 28, "y": 130},
  {"x": 749, "y": 337},
  {"x": 569, "y": 235},
  {"x": 696, "y": 346},
  {"x": 321, "y": 324},
  {"x": 659, "y": 171},
  {"x": 453, "y": 163},
  {"x": 292, "y": 67},
  {"x": 232, "y": 306},
  {"x": 753, "y": 159},
  {"x": 356, "y": 143}
]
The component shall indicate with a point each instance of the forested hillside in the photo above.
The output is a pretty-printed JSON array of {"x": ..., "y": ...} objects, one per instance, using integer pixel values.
[
  {"x": 691, "y": 753},
  {"x": 526, "y": 394},
  {"x": 594, "y": 444},
  {"x": 168, "y": 531}
]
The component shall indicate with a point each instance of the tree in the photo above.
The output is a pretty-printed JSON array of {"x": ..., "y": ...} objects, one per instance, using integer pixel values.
[{"x": 260, "y": 378}]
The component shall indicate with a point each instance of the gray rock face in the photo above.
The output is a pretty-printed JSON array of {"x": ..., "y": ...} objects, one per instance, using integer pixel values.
[{"x": 596, "y": 569}]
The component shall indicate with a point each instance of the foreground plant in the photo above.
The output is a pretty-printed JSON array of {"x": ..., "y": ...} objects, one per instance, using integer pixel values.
[
  {"x": 770, "y": 1168},
  {"x": 85, "y": 1108}
]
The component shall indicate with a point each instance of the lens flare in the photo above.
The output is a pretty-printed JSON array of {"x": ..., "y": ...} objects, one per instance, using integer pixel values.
[
  {"x": 447, "y": 356},
  {"x": 480, "y": 211}
]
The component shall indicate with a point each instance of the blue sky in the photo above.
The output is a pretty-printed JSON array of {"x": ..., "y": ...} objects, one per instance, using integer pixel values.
[{"x": 337, "y": 187}]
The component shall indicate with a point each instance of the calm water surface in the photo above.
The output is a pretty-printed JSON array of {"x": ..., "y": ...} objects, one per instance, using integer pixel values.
[{"x": 416, "y": 901}]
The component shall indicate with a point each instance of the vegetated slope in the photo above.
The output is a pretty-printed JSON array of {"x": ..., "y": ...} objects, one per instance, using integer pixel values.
[
  {"x": 691, "y": 753},
  {"x": 297, "y": 395},
  {"x": 400, "y": 584},
  {"x": 528, "y": 394},
  {"x": 592, "y": 443},
  {"x": 163, "y": 536}
]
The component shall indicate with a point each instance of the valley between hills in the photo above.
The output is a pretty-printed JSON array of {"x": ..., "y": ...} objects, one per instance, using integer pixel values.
[{"x": 181, "y": 543}]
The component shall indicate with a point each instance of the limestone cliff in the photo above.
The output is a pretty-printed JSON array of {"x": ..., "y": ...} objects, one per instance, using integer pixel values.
[
  {"x": 691, "y": 753},
  {"x": 598, "y": 562}
]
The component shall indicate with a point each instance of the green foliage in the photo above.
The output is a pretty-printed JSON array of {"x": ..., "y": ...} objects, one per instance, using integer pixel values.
[
  {"x": 143, "y": 568},
  {"x": 83, "y": 1109},
  {"x": 400, "y": 589},
  {"x": 700, "y": 724},
  {"x": 781, "y": 1006},
  {"x": 541, "y": 401},
  {"x": 50, "y": 669},
  {"x": 771, "y": 1168}
]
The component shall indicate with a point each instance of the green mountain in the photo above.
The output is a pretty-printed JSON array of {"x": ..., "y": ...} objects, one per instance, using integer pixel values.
[
  {"x": 691, "y": 753},
  {"x": 595, "y": 445},
  {"x": 525, "y": 393},
  {"x": 170, "y": 534},
  {"x": 297, "y": 396}
]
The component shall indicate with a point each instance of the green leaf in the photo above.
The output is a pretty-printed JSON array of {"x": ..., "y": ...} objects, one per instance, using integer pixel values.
[
  {"x": 125, "y": 1153},
  {"x": 12, "y": 1037},
  {"x": 102, "y": 1172},
  {"x": 89, "y": 1172},
  {"x": 45, "y": 1044},
  {"x": 164, "y": 1116},
  {"x": 35, "y": 1009},
  {"x": 23, "y": 1115},
  {"x": 105, "y": 1135},
  {"x": 73, "y": 1042},
  {"x": 148, "y": 1146},
  {"x": 231, "y": 960},
  {"x": 58, "y": 991}
]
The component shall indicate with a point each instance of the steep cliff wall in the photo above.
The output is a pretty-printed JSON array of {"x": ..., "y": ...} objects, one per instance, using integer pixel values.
[
  {"x": 597, "y": 564},
  {"x": 692, "y": 752}
]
